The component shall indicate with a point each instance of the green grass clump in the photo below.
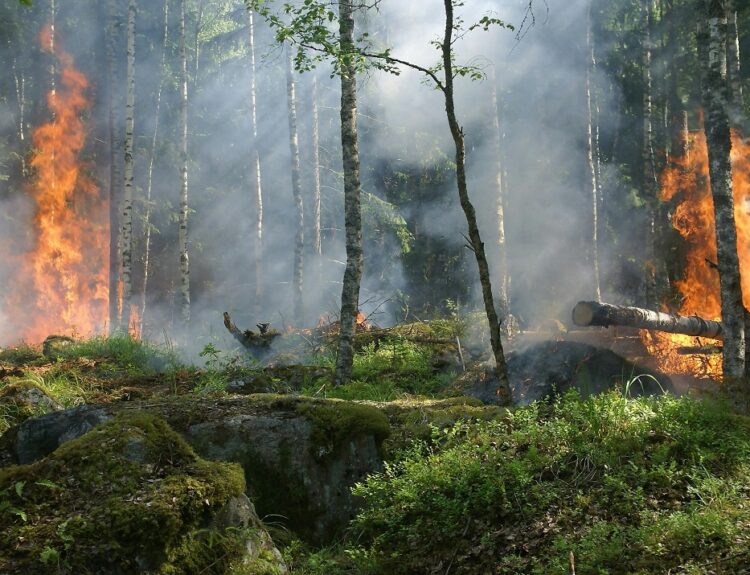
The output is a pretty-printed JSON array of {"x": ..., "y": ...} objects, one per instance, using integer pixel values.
[
  {"x": 644, "y": 486},
  {"x": 122, "y": 352}
]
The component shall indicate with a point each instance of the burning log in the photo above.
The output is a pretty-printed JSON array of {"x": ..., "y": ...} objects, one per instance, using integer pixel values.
[{"x": 587, "y": 313}]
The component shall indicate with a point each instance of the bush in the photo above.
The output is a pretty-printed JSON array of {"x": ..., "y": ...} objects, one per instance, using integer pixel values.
[{"x": 629, "y": 486}]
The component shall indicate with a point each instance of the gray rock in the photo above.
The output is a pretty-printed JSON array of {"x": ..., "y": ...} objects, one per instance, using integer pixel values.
[{"x": 300, "y": 456}]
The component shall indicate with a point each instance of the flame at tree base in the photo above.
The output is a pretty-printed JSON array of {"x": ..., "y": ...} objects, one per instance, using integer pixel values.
[
  {"x": 686, "y": 183},
  {"x": 61, "y": 284}
]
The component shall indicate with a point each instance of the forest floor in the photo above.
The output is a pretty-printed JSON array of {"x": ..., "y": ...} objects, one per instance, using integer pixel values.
[{"x": 605, "y": 484}]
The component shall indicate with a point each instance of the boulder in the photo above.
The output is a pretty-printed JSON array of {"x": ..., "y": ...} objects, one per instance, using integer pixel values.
[
  {"x": 130, "y": 496},
  {"x": 546, "y": 369},
  {"x": 300, "y": 456},
  {"x": 24, "y": 399}
]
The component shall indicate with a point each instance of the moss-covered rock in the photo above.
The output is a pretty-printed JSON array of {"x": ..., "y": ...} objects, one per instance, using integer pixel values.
[
  {"x": 301, "y": 456},
  {"x": 131, "y": 496}
]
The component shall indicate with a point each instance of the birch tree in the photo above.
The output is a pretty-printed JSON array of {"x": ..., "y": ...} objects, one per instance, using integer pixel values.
[
  {"x": 733, "y": 62},
  {"x": 590, "y": 156},
  {"x": 257, "y": 189},
  {"x": 115, "y": 165},
  {"x": 127, "y": 199},
  {"x": 712, "y": 34},
  {"x": 184, "y": 208},
  {"x": 650, "y": 182},
  {"x": 149, "y": 176},
  {"x": 315, "y": 131},
  {"x": 299, "y": 243},
  {"x": 502, "y": 267}
]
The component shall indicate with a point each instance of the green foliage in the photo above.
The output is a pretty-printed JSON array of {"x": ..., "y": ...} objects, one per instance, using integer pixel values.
[
  {"x": 23, "y": 354},
  {"x": 630, "y": 486}
]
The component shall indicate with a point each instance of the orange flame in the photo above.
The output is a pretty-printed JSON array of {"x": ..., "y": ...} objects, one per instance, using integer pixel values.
[
  {"x": 687, "y": 182},
  {"x": 62, "y": 284}
]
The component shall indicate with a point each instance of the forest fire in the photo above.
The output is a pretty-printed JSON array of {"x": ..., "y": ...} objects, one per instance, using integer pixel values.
[
  {"x": 686, "y": 183},
  {"x": 61, "y": 286}
]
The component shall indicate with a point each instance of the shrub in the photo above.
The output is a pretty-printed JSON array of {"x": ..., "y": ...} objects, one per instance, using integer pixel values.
[{"x": 629, "y": 486}]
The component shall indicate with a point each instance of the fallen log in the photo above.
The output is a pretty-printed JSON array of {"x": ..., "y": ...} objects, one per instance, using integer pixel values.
[{"x": 591, "y": 313}]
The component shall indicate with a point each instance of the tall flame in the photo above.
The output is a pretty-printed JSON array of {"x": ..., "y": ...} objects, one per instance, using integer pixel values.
[
  {"x": 686, "y": 183},
  {"x": 62, "y": 284}
]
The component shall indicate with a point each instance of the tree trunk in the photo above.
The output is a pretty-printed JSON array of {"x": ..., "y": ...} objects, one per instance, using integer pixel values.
[
  {"x": 115, "y": 168},
  {"x": 352, "y": 193},
  {"x": 19, "y": 81},
  {"x": 317, "y": 244},
  {"x": 650, "y": 181},
  {"x": 502, "y": 267},
  {"x": 127, "y": 199},
  {"x": 477, "y": 245},
  {"x": 712, "y": 35},
  {"x": 149, "y": 177},
  {"x": 733, "y": 63},
  {"x": 594, "y": 190},
  {"x": 257, "y": 191},
  {"x": 196, "y": 43},
  {"x": 299, "y": 237},
  {"x": 592, "y": 313},
  {"x": 51, "y": 48},
  {"x": 183, "y": 223}
]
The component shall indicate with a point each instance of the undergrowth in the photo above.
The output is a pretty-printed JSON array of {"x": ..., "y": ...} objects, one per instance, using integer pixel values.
[{"x": 628, "y": 486}]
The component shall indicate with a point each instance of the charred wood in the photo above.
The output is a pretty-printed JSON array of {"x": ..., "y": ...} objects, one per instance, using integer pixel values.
[{"x": 591, "y": 313}]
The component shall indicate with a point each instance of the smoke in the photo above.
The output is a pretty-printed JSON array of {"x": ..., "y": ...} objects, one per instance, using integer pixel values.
[{"x": 403, "y": 133}]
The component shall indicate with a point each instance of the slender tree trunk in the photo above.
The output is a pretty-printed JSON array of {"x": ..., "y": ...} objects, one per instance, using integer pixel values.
[
  {"x": 733, "y": 62},
  {"x": 650, "y": 182},
  {"x": 477, "y": 245},
  {"x": 502, "y": 267},
  {"x": 51, "y": 47},
  {"x": 196, "y": 43},
  {"x": 115, "y": 167},
  {"x": 317, "y": 243},
  {"x": 591, "y": 165},
  {"x": 712, "y": 35},
  {"x": 257, "y": 187},
  {"x": 150, "y": 173},
  {"x": 183, "y": 223},
  {"x": 127, "y": 199},
  {"x": 296, "y": 189},
  {"x": 352, "y": 196},
  {"x": 19, "y": 81}
]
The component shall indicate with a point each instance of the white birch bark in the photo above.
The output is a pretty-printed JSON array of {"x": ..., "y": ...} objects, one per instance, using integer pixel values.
[
  {"x": 590, "y": 156},
  {"x": 150, "y": 173},
  {"x": 257, "y": 191},
  {"x": 127, "y": 199},
  {"x": 184, "y": 208},
  {"x": 502, "y": 265},
  {"x": 115, "y": 167},
  {"x": 297, "y": 276}
]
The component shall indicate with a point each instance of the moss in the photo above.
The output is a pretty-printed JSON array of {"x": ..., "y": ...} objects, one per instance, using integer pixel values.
[
  {"x": 335, "y": 423},
  {"x": 417, "y": 419},
  {"x": 121, "y": 499}
]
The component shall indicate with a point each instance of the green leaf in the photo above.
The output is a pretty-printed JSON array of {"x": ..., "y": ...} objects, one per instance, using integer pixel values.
[{"x": 19, "y": 488}]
